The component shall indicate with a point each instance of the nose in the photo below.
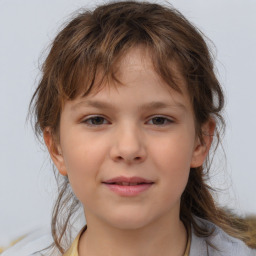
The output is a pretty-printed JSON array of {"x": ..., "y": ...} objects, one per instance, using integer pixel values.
[{"x": 128, "y": 145}]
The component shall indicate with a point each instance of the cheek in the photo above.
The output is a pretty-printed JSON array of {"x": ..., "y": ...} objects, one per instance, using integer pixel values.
[
  {"x": 172, "y": 158},
  {"x": 173, "y": 153},
  {"x": 82, "y": 151},
  {"x": 83, "y": 158}
]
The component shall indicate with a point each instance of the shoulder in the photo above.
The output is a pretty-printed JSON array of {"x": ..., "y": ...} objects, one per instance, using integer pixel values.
[
  {"x": 225, "y": 244},
  {"x": 32, "y": 244}
]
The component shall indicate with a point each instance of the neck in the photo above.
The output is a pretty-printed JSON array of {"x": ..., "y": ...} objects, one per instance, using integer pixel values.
[{"x": 165, "y": 238}]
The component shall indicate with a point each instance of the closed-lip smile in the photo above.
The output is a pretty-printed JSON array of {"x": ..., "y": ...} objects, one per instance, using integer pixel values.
[
  {"x": 128, "y": 180},
  {"x": 128, "y": 186}
]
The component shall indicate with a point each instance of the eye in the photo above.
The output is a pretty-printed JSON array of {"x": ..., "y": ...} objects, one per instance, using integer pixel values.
[
  {"x": 160, "y": 121},
  {"x": 99, "y": 120},
  {"x": 95, "y": 121}
]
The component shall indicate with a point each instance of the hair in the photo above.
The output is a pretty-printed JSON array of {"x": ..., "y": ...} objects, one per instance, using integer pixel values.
[{"x": 95, "y": 41}]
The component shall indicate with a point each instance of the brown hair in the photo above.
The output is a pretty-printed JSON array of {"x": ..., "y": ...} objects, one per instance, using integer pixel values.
[{"x": 96, "y": 40}]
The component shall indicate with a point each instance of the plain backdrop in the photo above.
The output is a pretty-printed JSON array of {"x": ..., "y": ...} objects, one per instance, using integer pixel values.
[{"x": 27, "y": 27}]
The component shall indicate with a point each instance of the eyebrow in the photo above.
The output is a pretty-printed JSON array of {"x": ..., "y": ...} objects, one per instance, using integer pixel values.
[{"x": 146, "y": 106}]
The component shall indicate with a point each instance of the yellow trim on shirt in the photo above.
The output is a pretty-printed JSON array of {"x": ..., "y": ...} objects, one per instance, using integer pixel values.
[
  {"x": 188, "y": 241},
  {"x": 73, "y": 250}
]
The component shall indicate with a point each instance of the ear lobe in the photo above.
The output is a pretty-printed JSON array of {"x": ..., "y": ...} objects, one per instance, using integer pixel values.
[
  {"x": 54, "y": 151},
  {"x": 202, "y": 146}
]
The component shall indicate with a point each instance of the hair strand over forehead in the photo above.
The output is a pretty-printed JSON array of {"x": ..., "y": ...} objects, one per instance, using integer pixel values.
[{"x": 91, "y": 45}]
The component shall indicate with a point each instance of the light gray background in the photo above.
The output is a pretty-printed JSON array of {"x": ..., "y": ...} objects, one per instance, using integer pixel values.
[{"x": 26, "y": 29}]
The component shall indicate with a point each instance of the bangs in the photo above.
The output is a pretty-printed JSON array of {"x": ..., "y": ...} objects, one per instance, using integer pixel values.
[
  {"x": 86, "y": 75},
  {"x": 85, "y": 50},
  {"x": 86, "y": 53}
]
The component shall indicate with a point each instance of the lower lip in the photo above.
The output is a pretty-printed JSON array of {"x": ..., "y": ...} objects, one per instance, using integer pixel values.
[{"x": 128, "y": 190}]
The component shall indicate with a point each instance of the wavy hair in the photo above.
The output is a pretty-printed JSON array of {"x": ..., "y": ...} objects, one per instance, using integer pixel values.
[{"x": 97, "y": 40}]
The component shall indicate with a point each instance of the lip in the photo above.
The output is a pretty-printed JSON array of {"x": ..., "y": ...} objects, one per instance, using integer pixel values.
[
  {"x": 128, "y": 179},
  {"x": 128, "y": 190}
]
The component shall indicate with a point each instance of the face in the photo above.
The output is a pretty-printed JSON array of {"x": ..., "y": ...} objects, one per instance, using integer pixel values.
[{"x": 141, "y": 129}]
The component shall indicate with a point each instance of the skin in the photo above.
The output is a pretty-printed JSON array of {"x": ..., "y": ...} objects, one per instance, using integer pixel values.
[{"x": 130, "y": 137}]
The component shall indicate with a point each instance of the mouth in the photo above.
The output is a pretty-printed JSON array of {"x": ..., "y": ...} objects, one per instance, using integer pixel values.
[
  {"x": 125, "y": 186},
  {"x": 127, "y": 183}
]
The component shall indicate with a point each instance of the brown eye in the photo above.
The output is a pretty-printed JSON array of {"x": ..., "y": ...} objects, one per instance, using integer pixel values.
[
  {"x": 95, "y": 120},
  {"x": 160, "y": 120}
]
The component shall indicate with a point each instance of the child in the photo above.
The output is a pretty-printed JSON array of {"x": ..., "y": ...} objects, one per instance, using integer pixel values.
[{"x": 129, "y": 107}]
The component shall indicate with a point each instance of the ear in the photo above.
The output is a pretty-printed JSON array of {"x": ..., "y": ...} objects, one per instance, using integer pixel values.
[
  {"x": 202, "y": 146},
  {"x": 54, "y": 151}
]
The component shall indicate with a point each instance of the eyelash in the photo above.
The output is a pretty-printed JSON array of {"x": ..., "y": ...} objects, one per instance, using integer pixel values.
[{"x": 89, "y": 120}]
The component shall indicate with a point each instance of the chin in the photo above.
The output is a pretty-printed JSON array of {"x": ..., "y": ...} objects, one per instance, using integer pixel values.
[
  {"x": 129, "y": 225},
  {"x": 129, "y": 221}
]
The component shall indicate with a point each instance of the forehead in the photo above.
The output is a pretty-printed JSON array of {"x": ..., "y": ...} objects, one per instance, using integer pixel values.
[
  {"x": 136, "y": 78},
  {"x": 137, "y": 64}
]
